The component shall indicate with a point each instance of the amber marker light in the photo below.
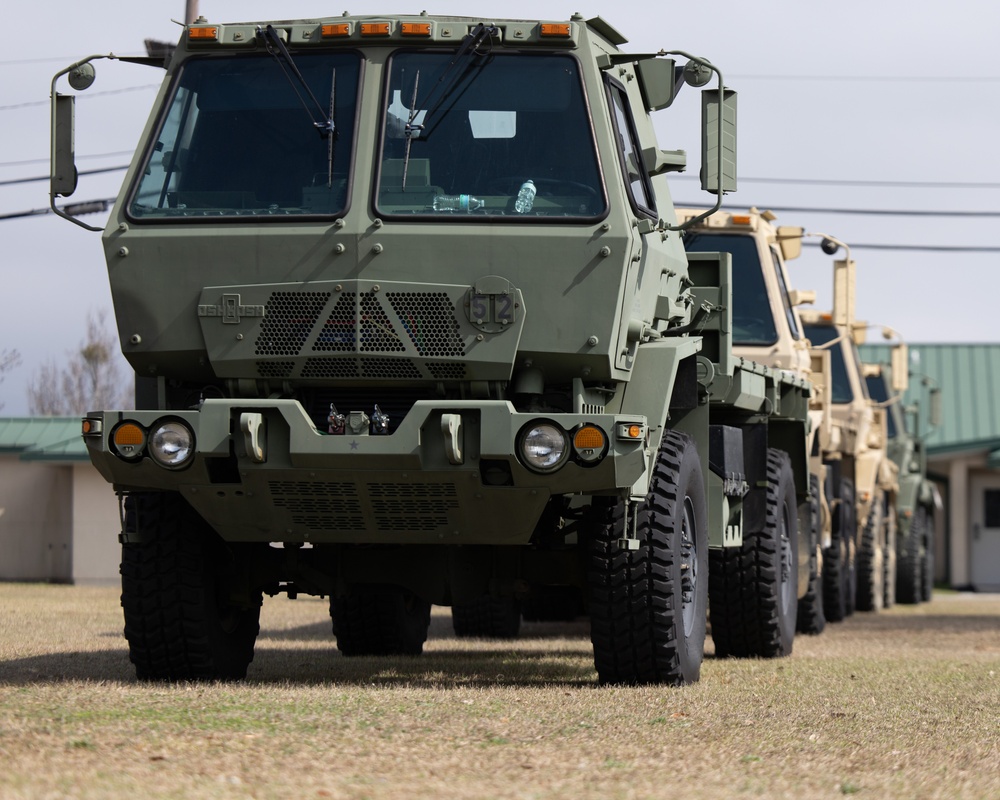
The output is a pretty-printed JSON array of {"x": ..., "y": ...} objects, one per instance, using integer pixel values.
[
  {"x": 741, "y": 219},
  {"x": 590, "y": 444},
  {"x": 90, "y": 427},
  {"x": 560, "y": 29},
  {"x": 374, "y": 28},
  {"x": 128, "y": 440},
  {"x": 334, "y": 30},
  {"x": 416, "y": 29},
  {"x": 203, "y": 34}
]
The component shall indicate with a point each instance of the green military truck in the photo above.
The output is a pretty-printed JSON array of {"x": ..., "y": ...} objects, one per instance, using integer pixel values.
[
  {"x": 412, "y": 323},
  {"x": 917, "y": 496}
]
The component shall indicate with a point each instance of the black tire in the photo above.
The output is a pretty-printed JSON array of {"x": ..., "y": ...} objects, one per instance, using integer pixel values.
[
  {"x": 839, "y": 583},
  {"x": 909, "y": 564},
  {"x": 753, "y": 589},
  {"x": 811, "y": 617},
  {"x": 648, "y": 606},
  {"x": 927, "y": 559},
  {"x": 380, "y": 621},
  {"x": 487, "y": 618},
  {"x": 871, "y": 558},
  {"x": 179, "y": 622},
  {"x": 890, "y": 562}
]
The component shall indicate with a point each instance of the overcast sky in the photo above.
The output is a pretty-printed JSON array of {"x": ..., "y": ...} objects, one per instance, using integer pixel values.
[{"x": 884, "y": 105}]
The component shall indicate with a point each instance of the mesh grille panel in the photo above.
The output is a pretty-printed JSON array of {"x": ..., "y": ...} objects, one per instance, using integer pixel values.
[
  {"x": 429, "y": 321},
  {"x": 289, "y": 318},
  {"x": 339, "y": 333}
]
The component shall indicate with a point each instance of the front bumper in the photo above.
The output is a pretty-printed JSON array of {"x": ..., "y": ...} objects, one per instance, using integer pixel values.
[{"x": 293, "y": 483}]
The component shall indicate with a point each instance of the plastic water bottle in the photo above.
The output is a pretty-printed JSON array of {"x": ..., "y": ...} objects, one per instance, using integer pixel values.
[
  {"x": 457, "y": 202},
  {"x": 525, "y": 197}
]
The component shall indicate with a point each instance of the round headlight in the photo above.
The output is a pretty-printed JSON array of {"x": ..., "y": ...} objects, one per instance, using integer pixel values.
[
  {"x": 171, "y": 444},
  {"x": 544, "y": 446}
]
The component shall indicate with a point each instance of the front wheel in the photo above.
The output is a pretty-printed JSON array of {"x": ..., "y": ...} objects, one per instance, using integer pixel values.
[
  {"x": 812, "y": 618},
  {"x": 178, "y": 577},
  {"x": 648, "y": 605}
]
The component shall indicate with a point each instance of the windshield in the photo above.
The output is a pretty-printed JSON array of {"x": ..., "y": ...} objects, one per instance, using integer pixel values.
[
  {"x": 840, "y": 381},
  {"x": 753, "y": 322},
  {"x": 879, "y": 392},
  {"x": 463, "y": 135},
  {"x": 236, "y": 140}
]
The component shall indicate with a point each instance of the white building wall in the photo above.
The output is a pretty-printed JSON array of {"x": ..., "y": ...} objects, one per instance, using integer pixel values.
[
  {"x": 96, "y": 525},
  {"x": 36, "y": 527}
]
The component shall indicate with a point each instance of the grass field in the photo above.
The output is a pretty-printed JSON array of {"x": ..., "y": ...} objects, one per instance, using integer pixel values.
[{"x": 903, "y": 704}]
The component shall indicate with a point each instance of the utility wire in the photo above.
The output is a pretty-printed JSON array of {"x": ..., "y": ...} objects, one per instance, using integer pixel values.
[
  {"x": 855, "y": 182},
  {"x": 79, "y": 158},
  {"x": 15, "y": 181},
  {"x": 33, "y": 103},
  {"x": 859, "y": 212}
]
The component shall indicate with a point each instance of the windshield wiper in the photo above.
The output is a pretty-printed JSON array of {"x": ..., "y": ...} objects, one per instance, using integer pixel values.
[
  {"x": 275, "y": 47},
  {"x": 469, "y": 47}
]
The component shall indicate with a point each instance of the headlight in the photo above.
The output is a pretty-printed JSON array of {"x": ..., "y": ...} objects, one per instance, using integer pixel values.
[
  {"x": 171, "y": 444},
  {"x": 544, "y": 446}
]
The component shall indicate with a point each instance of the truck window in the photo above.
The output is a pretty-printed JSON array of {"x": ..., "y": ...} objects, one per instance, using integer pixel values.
[
  {"x": 879, "y": 392},
  {"x": 841, "y": 383},
  {"x": 461, "y": 137},
  {"x": 753, "y": 321},
  {"x": 637, "y": 179},
  {"x": 793, "y": 320},
  {"x": 235, "y": 140}
]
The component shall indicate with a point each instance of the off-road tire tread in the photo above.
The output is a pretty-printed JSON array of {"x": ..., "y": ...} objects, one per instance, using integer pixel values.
[{"x": 745, "y": 588}]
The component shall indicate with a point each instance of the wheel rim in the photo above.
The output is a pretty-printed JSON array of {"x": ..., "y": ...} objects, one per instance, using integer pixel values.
[
  {"x": 788, "y": 591},
  {"x": 689, "y": 568}
]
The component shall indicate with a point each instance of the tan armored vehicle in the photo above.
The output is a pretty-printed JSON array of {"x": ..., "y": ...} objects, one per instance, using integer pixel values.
[
  {"x": 767, "y": 330},
  {"x": 860, "y": 566}
]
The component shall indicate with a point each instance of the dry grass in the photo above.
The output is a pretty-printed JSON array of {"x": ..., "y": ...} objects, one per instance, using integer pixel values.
[{"x": 904, "y": 704}]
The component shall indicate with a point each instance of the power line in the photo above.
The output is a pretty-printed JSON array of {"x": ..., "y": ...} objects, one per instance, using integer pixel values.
[
  {"x": 857, "y": 182},
  {"x": 859, "y": 212},
  {"x": 873, "y": 78},
  {"x": 26, "y": 162},
  {"x": 34, "y": 103},
  {"x": 73, "y": 209},
  {"x": 15, "y": 181}
]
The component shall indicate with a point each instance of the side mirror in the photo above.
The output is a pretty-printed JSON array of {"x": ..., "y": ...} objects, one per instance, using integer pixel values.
[
  {"x": 657, "y": 82},
  {"x": 900, "y": 363},
  {"x": 718, "y": 142},
  {"x": 63, "y": 175},
  {"x": 935, "y": 414},
  {"x": 790, "y": 241}
]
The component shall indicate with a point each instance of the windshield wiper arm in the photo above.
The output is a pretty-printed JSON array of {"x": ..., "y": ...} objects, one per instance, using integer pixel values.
[{"x": 275, "y": 47}]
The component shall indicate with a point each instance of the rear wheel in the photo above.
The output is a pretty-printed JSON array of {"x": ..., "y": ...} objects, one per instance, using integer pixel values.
[
  {"x": 648, "y": 606},
  {"x": 380, "y": 621},
  {"x": 927, "y": 560},
  {"x": 871, "y": 558},
  {"x": 753, "y": 589},
  {"x": 178, "y": 579},
  {"x": 487, "y": 618},
  {"x": 811, "y": 618},
  {"x": 838, "y": 560}
]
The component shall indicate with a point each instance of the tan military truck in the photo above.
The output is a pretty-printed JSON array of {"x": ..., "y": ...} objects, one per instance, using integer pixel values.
[
  {"x": 859, "y": 568},
  {"x": 767, "y": 330}
]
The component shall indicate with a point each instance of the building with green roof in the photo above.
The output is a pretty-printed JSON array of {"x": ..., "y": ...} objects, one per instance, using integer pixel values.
[
  {"x": 59, "y": 518},
  {"x": 963, "y": 453}
]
